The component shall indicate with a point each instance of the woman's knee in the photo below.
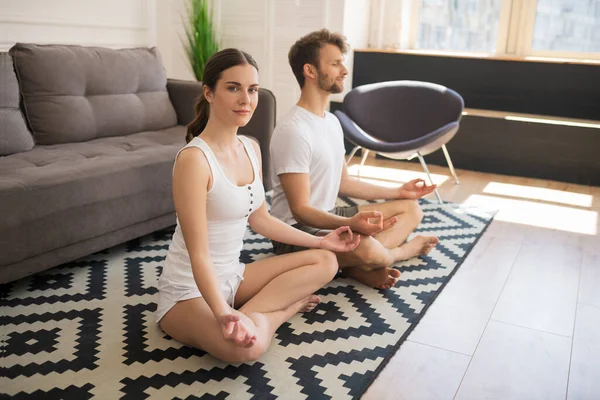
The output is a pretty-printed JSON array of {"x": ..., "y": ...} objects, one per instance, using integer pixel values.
[
  {"x": 325, "y": 264},
  {"x": 328, "y": 263},
  {"x": 245, "y": 355}
]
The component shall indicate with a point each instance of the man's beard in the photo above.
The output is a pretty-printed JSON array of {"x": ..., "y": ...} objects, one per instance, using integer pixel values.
[{"x": 332, "y": 88}]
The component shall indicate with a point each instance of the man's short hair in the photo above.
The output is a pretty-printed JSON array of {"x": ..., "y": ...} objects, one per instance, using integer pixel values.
[{"x": 306, "y": 50}]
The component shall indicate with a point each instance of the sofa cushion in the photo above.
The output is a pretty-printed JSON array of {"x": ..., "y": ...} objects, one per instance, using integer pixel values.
[
  {"x": 57, "y": 195},
  {"x": 14, "y": 135},
  {"x": 73, "y": 93}
]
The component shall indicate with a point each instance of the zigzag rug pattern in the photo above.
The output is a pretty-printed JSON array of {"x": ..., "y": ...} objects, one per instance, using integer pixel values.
[{"x": 86, "y": 329}]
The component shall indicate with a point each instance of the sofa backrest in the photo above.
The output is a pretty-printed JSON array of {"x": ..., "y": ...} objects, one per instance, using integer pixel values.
[
  {"x": 261, "y": 127},
  {"x": 75, "y": 93},
  {"x": 14, "y": 135}
]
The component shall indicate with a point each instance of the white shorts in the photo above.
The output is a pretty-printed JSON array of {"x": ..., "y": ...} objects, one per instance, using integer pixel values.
[{"x": 169, "y": 295}]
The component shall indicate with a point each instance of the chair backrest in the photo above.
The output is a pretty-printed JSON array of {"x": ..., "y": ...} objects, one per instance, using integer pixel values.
[{"x": 402, "y": 110}]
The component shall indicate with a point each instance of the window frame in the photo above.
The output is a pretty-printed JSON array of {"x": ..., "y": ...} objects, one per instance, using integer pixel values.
[{"x": 515, "y": 33}]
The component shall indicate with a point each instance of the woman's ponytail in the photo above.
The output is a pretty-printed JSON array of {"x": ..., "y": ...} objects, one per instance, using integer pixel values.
[{"x": 201, "y": 112}]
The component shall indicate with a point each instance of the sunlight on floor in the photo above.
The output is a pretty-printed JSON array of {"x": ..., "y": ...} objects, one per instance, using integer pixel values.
[
  {"x": 393, "y": 174},
  {"x": 536, "y": 193},
  {"x": 516, "y": 203},
  {"x": 539, "y": 214}
]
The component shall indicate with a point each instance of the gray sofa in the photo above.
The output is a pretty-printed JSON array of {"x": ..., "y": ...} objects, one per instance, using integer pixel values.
[{"x": 87, "y": 142}]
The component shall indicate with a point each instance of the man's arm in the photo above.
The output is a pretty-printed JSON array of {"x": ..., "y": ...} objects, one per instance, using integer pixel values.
[
  {"x": 296, "y": 187},
  {"x": 290, "y": 153},
  {"x": 353, "y": 187}
]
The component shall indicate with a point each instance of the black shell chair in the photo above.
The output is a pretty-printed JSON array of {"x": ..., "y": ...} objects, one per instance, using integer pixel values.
[{"x": 402, "y": 120}]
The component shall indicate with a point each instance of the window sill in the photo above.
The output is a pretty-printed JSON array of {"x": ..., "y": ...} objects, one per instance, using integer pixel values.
[
  {"x": 484, "y": 56},
  {"x": 533, "y": 118}
]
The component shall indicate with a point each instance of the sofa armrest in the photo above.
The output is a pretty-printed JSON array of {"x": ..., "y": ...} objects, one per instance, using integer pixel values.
[{"x": 183, "y": 95}]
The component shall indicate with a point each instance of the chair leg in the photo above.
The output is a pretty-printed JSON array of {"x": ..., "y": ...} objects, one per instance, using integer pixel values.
[
  {"x": 352, "y": 153},
  {"x": 362, "y": 162},
  {"x": 449, "y": 161},
  {"x": 364, "y": 157},
  {"x": 422, "y": 160}
]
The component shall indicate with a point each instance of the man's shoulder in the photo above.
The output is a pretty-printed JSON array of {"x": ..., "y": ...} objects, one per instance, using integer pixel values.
[
  {"x": 290, "y": 124},
  {"x": 331, "y": 118}
]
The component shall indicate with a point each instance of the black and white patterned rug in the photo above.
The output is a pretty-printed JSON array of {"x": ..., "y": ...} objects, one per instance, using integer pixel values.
[{"x": 87, "y": 329}]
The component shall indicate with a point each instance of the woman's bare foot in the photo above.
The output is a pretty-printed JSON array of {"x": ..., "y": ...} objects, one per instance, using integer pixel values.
[
  {"x": 306, "y": 304},
  {"x": 417, "y": 246},
  {"x": 380, "y": 278}
]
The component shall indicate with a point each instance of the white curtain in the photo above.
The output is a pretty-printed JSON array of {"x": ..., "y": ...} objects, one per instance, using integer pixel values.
[{"x": 392, "y": 24}]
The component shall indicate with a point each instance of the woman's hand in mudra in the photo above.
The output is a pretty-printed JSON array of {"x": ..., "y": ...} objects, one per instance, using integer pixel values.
[
  {"x": 236, "y": 330},
  {"x": 340, "y": 240}
]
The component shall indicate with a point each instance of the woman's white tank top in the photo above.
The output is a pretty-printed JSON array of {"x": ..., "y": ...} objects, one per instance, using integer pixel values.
[{"x": 228, "y": 207}]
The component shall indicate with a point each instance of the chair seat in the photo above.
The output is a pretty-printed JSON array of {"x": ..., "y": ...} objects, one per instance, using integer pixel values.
[
  {"x": 426, "y": 144},
  {"x": 402, "y": 120}
]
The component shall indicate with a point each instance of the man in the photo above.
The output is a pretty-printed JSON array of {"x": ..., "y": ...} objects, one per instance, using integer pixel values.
[{"x": 309, "y": 172}]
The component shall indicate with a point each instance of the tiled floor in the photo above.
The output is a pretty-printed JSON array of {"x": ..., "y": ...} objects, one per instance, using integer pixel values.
[{"x": 521, "y": 317}]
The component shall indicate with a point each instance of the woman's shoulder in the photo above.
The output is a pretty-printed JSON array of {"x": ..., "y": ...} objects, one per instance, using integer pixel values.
[
  {"x": 253, "y": 142},
  {"x": 192, "y": 157}
]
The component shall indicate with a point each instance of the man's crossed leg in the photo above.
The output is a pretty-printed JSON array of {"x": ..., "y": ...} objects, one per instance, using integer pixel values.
[{"x": 371, "y": 262}]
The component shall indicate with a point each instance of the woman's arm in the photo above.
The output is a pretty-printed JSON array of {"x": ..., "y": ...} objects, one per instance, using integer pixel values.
[
  {"x": 263, "y": 223},
  {"x": 191, "y": 180}
]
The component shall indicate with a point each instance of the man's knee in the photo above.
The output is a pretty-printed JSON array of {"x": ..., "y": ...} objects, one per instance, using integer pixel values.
[
  {"x": 410, "y": 208},
  {"x": 414, "y": 209},
  {"x": 407, "y": 207}
]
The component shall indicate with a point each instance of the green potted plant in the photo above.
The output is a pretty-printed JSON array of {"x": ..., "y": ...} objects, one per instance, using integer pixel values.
[{"x": 200, "y": 38}]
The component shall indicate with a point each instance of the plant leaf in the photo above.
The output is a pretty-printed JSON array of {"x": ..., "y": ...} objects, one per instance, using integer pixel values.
[{"x": 200, "y": 41}]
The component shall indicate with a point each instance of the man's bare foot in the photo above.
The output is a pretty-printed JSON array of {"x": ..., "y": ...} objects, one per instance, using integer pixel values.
[
  {"x": 380, "y": 278},
  {"x": 393, "y": 275},
  {"x": 306, "y": 304},
  {"x": 417, "y": 246}
]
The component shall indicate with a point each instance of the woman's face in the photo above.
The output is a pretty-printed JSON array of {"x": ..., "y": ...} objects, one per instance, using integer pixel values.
[{"x": 235, "y": 96}]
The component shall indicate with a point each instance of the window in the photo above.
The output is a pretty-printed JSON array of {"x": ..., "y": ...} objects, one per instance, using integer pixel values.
[
  {"x": 459, "y": 25},
  {"x": 567, "y": 26},
  {"x": 521, "y": 28}
]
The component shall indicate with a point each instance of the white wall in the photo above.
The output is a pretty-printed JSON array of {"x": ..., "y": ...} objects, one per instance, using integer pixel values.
[
  {"x": 169, "y": 31},
  {"x": 266, "y": 29},
  {"x": 106, "y": 23}
]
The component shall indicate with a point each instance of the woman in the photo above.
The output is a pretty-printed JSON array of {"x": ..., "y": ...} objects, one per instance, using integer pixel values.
[{"x": 207, "y": 298}]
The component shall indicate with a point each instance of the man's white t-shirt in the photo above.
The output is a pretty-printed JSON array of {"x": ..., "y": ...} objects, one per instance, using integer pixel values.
[{"x": 305, "y": 143}]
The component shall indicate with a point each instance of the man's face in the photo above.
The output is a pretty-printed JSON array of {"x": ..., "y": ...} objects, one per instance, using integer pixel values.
[{"x": 331, "y": 70}]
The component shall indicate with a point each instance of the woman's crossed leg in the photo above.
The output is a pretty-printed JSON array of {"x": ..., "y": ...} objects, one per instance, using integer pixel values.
[{"x": 273, "y": 290}]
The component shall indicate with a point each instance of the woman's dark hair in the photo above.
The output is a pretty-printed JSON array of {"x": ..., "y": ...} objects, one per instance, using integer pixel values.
[{"x": 215, "y": 65}]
